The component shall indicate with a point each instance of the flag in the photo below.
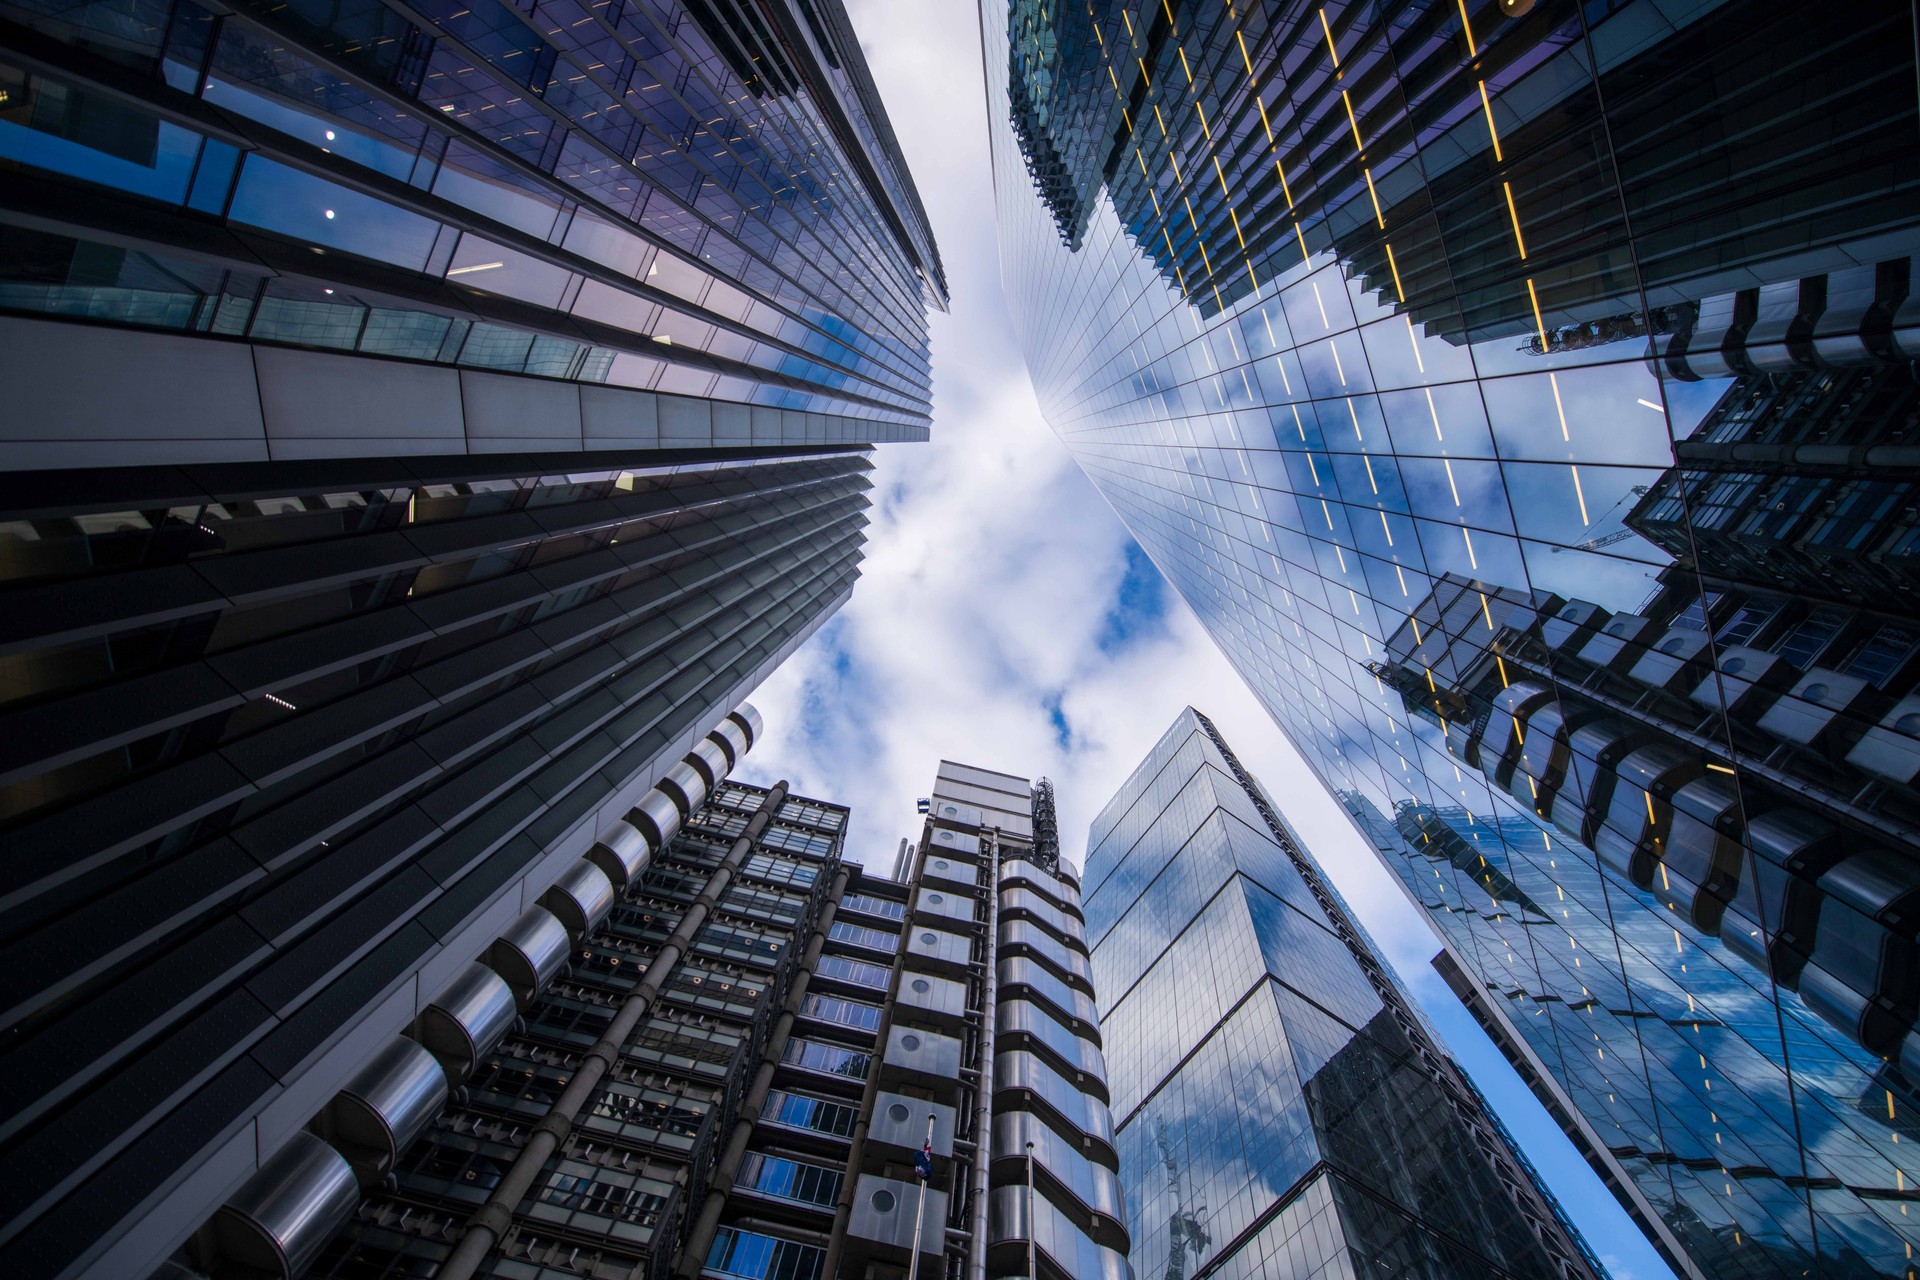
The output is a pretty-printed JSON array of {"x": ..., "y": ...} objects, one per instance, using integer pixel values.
[{"x": 923, "y": 1162}]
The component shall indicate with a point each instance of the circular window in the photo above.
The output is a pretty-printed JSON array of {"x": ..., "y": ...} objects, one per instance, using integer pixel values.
[
  {"x": 928, "y": 938},
  {"x": 945, "y": 837},
  {"x": 1617, "y": 629},
  {"x": 1908, "y": 724},
  {"x": 1815, "y": 692},
  {"x": 935, "y": 898},
  {"x": 949, "y": 810},
  {"x": 909, "y": 1042},
  {"x": 941, "y": 864},
  {"x": 897, "y": 1113},
  {"x": 1571, "y": 611},
  {"x": 1674, "y": 645},
  {"x": 883, "y": 1201},
  {"x": 922, "y": 985},
  {"x": 1733, "y": 666}
]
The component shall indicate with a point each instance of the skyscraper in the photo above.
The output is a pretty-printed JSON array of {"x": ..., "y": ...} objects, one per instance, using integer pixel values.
[
  {"x": 750, "y": 1060},
  {"x": 1281, "y": 1109},
  {"x": 1521, "y": 396},
  {"x": 424, "y": 426}
]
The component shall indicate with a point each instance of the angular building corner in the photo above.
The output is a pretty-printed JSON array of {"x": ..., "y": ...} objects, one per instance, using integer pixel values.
[
  {"x": 1522, "y": 395},
  {"x": 425, "y": 427},
  {"x": 1280, "y": 1106}
]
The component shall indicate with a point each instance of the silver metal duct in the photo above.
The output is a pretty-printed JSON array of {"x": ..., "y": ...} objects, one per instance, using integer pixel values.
[
  {"x": 581, "y": 898},
  {"x": 534, "y": 948},
  {"x": 687, "y": 788},
  {"x": 467, "y": 1019},
  {"x": 623, "y": 852},
  {"x": 657, "y": 816},
  {"x": 385, "y": 1106},
  {"x": 280, "y": 1219}
]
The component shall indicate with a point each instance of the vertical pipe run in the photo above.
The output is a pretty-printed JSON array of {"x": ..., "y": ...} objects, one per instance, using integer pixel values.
[{"x": 983, "y": 1102}]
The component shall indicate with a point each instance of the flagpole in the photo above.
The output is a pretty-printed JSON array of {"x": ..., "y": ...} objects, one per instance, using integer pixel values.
[
  {"x": 920, "y": 1208},
  {"x": 1032, "y": 1271}
]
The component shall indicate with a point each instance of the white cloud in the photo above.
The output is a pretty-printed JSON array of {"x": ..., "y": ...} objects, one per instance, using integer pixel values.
[{"x": 992, "y": 567}]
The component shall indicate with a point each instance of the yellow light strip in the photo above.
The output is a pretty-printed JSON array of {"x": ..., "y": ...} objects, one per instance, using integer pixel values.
[
  {"x": 1448, "y": 464},
  {"x": 1370, "y": 480},
  {"x": 1512, "y": 212},
  {"x": 1352, "y": 123},
  {"x": 1484, "y": 611},
  {"x": 1581, "y": 494},
  {"x": 1263, "y": 119},
  {"x": 1329, "y": 30},
  {"x": 1538, "y": 322},
  {"x": 1301, "y": 236},
  {"x": 1396, "y": 274},
  {"x": 1553, "y": 379},
  {"x": 1284, "y": 189},
  {"x": 1218, "y": 170},
  {"x": 1491, "y": 131},
  {"x": 1378, "y": 217},
  {"x": 1236, "y": 229},
  {"x": 1183, "y": 63},
  {"x": 1414, "y": 338},
  {"x": 1386, "y": 528},
  {"x": 1467, "y": 26},
  {"x": 1242, "y": 38},
  {"x": 1204, "y": 126}
]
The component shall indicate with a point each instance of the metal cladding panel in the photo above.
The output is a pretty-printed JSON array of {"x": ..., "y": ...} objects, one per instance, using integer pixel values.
[
  {"x": 1053, "y": 1233},
  {"x": 1094, "y": 1185},
  {"x": 943, "y": 905},
  {"x": 924, "y": 1053},
  {"x": 900, "y": 1120},
  {"x": 939, "y": 946},
  {"x": 883, "y": 1214},
  {"x": 927, "y": 994},
  {"x": 947, "y": 873},
  {"x": 959, "y": 843},
  {"x": 959, "y": 817}
]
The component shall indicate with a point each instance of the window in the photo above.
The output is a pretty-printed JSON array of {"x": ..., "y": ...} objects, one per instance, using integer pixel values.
[
  {"x": 804, "y": 1111},
  {"x": 756, "y": 1257},
  {"x": 875, "y": 906},
  {"x": 848, "y": 1013},
  {"x": 861, "y": 936},
  {"x": 858, "y": 972},
  {"x": 828, "y": 1058},
  {"x": 786, "y": 1179}
]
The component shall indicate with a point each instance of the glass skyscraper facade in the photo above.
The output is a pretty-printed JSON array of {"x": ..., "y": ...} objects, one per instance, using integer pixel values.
[
  {"x": 1522, "y": 396},
  {"x": 1280, "y": 1108},
  {"x": 423, "y": 425}
]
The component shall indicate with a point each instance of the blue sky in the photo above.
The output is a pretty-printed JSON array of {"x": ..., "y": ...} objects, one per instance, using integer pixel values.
[{"x": 1005, "y": 618}]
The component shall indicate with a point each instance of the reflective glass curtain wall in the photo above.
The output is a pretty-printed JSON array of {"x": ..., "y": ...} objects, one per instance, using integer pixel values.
[
  {"x": 1522, "y": 396},
  {"x": 1280, "y": 1109}
]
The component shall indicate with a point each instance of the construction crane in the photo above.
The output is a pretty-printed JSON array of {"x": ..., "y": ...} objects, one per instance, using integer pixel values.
[
  {"x": 1608, "y": 539},
  {"x": 1185, "y": 1229}
]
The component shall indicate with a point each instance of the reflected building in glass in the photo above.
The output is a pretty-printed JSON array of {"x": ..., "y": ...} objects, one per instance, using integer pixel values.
[
  {"x": 1280, "y": 1108},
  {"x": 424, "y": 425},
  {"x": 1522, "y": 396}
]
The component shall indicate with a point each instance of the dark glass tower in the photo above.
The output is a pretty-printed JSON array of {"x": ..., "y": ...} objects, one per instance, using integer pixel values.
[
  {"x": 1522, "y": 395},
  {"x": 1281, "y": 1107},
  {"x": 424, "y": 426}
]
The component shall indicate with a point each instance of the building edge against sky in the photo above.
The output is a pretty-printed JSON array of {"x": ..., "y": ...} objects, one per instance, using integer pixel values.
[
  {"x": 1281, "y": 1107},
  {"x": 1522, "y": 397},
  {"x": 425, "y": 426}
]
